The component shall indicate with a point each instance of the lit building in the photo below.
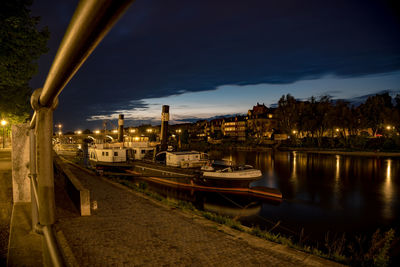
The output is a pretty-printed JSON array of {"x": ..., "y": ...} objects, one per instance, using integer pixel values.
[
  {"x": 261, "y": 121},
  {"x": 235, "y": 128}
]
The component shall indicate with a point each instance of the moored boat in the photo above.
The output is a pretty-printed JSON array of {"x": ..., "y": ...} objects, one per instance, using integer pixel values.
[
  {"x": 108, "y": 156},
  {"x": 230, "y": 176}
]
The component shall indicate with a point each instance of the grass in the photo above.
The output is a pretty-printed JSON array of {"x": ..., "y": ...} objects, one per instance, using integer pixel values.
[{"x": 359, "y": 252}]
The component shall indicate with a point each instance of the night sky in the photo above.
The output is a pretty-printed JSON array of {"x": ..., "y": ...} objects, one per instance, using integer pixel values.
[{"x": 210, "y": 58}]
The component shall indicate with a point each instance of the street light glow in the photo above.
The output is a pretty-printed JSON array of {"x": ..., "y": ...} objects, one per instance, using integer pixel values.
[
  {"x": 79, "y": 132},
  {"x": 96, "y": 131},
  {"x": 3, "y": 122}
]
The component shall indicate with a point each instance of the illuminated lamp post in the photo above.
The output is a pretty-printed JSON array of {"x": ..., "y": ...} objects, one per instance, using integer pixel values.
[{"x": 3, "y": 124}]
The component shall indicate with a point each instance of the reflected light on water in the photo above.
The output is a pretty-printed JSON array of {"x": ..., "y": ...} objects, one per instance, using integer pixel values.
[
  {"x": 388, "y": 191},
  {"x": 337, "y": 170},
  {"x": 294, "y": 169}
]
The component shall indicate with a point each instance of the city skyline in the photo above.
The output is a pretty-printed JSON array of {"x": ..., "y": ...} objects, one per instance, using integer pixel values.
[{"x": 222, "y": 58}]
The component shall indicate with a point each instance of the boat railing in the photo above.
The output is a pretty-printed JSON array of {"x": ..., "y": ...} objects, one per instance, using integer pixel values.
[{"x": 90, "y": 23}]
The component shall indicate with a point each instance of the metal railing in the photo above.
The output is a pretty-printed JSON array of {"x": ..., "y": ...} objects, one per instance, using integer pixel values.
[{"x": 91, "y": 21}]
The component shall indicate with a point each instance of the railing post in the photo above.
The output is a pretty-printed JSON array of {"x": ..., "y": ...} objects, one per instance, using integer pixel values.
[
  {"x": 32, "y": 176},
  {"x": 44, "y": 133},
  {"x": 45, "y": 179}
]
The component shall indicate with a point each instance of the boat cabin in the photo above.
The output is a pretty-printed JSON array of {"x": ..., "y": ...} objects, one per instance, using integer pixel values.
[
  {"x": 140, "y": 152},
  {"x": 113, "y": 154},
  {"x": 185, "y": 159}
]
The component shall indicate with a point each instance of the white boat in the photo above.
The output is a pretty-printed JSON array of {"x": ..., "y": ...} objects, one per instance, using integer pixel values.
[
  {"x": 240, "y": 172},
  {"x": 184, "y": 159},
  {"x": 108, "y": 155},
  {"x": 240, "y": 176}
]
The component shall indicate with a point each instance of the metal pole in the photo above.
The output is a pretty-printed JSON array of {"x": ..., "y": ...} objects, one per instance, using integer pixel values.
[
  {"x": 32, "y": 175},
  {"x": 44, "y": 165},
  {"x": 92, "y": 20}
]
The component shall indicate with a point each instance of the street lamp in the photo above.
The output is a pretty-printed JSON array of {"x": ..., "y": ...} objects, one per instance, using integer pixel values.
[{"x": 3, "y": 123}]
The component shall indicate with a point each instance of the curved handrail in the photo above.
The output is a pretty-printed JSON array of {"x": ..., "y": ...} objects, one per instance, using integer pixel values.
[{"x": 91, "y": 21}]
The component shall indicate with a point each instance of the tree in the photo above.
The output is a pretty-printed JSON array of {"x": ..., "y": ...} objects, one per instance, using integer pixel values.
[
  {"x": 376, "y": 111},
  {"x": 21, "y": 44},
  {"x": 287, "y": 113}
]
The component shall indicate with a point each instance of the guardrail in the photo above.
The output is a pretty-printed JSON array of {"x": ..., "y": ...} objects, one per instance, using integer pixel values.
[{"x": 90, "y": 23}]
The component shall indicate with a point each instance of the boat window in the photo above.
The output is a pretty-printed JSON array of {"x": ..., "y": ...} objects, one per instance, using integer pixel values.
[{"x": 115, "y": 153}]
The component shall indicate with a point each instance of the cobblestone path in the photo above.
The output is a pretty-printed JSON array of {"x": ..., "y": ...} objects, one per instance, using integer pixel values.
[
  {"x": 128, "y": 229},
  {"x": 5, "y": 203}
]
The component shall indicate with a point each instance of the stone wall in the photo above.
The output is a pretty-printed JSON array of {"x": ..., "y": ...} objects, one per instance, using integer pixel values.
[{"x": 20, "y": 162}]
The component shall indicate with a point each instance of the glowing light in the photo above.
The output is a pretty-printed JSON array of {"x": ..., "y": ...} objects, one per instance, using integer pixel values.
[
  {"x": 137, "y": 138},
  {"x": 78, "y": 132},
  {"x": 132, "y": 130},
  {"x": 149, "y": 130},
  {"x": 388, "y": 127},
  {"x": 337, "y": 129},
  {"x": 115, "y": 131},
  {"x": 294, "y": 132},
  {"x": 96, "y": 131},
  {"x": 270, "y": 116},
  {"x": 179, "y": 130},
  {"x": 3, "y": 122}
]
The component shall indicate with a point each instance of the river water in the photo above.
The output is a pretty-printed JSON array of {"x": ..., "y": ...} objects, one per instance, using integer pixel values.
[{"x": 324, "y": 193}]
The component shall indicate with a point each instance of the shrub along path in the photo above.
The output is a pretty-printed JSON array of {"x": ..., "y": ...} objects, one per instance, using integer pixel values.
[{"x": 128, "y": 229}]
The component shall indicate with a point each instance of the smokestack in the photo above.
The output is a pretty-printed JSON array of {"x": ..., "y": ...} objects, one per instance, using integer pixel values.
[
  {"x": 164, "y": 127},
  {"x": 121, "y": 128}
]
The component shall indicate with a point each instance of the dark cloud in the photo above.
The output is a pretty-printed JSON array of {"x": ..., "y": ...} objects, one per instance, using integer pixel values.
[{"x": 161, "y": 48}]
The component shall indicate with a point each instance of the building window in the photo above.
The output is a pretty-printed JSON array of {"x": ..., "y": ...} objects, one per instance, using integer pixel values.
[
  {"x": 102, "y": 153},
  {"x": 143, "y": 151},
  {"x": 115, "y": 154},
  {"x": 106, "y": 153}
]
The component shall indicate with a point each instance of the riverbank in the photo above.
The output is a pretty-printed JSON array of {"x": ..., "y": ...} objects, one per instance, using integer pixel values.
[
  {"x": 205, "y": 147},
  {"x": 341, "y": 152}
]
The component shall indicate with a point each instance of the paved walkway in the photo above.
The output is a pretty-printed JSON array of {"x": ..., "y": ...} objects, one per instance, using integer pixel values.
[
  {"x": 127, "y": 229},
  {"x": 5, "y": 202}
]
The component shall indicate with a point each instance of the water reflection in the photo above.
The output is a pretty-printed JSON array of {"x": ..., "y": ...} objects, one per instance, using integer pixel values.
[
  {"x": 336, "y": 192},
  {"x": 388, "y": 191}
]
